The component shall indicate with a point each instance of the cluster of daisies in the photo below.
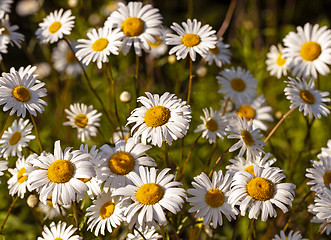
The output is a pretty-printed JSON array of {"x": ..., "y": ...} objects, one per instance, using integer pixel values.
[{"x": 121, "y": 179}]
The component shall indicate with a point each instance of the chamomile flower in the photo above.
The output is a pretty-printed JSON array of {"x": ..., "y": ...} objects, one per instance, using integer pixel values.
[
  {"x": 320, "y": 174},
  {"x": 309, "y": 50},
  {"x": 277, "y": 65},
  {"x": 238, "y": 85},
  {"x": 9, "y": 31},
  {"x": 220, "y": 54},
  {"x": 148, "y": 233},
  {"x": 248, "y": 138},
  {"x": 59, "y": 231},
  {"x": 16, "y": 137},
  {"x": 3, "y": 166},
  {"x": 138, "y": 23},
  {"x": 84, "y": 118},
  {"x": 151, "y": 194},
  {"x": 258, "y": 192},
  {"x": 106, "y": 211},
  {"x": 5, "y": 6},
  {"x": 210, "y": 198},
  {"x": 118, "y": 162},
  {"x": 59, "y": 174},
  {"x": 322, "y": 204},
  {"x": 291, "y": 236},
  {"x": 51, "y": 211},
  {"x": 192, "y": 38},
  {"x": 213, "y": 125},
  {"x": 120, "y": 135},
  {"x": 55, "y": 26},
  {"x": 21, "y": 93},
  {"x": 65, "y": 60},
  {"x": 304, "y": 96},
  {"x": 315, "y": 219},
  {"x": 326, "y": 151},
  {"x": 161, "y": 118},
  {"x": 159, "y": 48},
  {"x": 100, "y": 44}
]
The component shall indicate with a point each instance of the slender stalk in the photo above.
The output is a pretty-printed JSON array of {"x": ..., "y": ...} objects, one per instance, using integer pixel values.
[
  {"x": 4, "y": 127},
  {"x": 249, "y": 228},
  {"x": 74, "y": 208},
  {"x": 318, "y": 234},
  {"x": 213, "y": 149},
  {"x": 227, "y": 19},
  {"x": 217, "y": 161},
  {"x": 225, "y": 106},
  {"x": 190, "y": 83},
  {"x": 37, "y": 132},
  {"x": 140, "y": 233},
  {"x": 278, "y": 124},
  {"x": 235, "y": 227},
  {"x": 181, "y": 154},
  {"x": 8, "y": 212},
  {"x": 136, "y": 78}
]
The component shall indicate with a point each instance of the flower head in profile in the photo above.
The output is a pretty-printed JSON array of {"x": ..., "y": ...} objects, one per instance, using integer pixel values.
[
  {"x": 55, "y": 26},
  {"x": 148, "y": 233},
  {"x": 323, "y": 228},
  {"x": 159, "y": 48},
  {"x": 291, "y": 236},
  {"x": 3, "y": 166},
  {"x": 161, "y": 119},
  {"x": 303, "y": 95},
  {"x": 277, "y": 65},
  {"x": 120, "y": 135},
  {"x": 325, "y": 151},
  {"x": 220, "y": 54},
  {"x": 59, "y": 231},
  {"x": 191, "y": 38},
  {"x": 322, "y": 205},
  {"x": 15, "y": 138},
  {"x": 309, "y": 50},
  {"x": 10, "y": 32},
  {"x": 152, "y": 193},
  {"x": 320, "y": 174},
  {"x": 210, "y": 198},
  {"x": 139, "y": 23},
  {"x": 84, "y": 118},
  {"x": 5, "y": 6}
]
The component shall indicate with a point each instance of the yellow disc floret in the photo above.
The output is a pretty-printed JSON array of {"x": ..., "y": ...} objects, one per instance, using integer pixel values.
[
  {"x": 310, "y": 51},
  {"x": 81, "y": 120},
  {"x": 250, "y": 169},
  {"x": 100, "y": 44},
  {"x": 21, "y": 94},
  {"x": 214, "y": 198},
  {"x": 14, "y": 139},
  {"x": 60, "y": 171},
  {"x": 247, "y": 137},
  {"x": 246, "y": 111},
  {"x": 107, "y": 209},
  {"x": 212, "y": 125},
  {"x": 133, "y": 26},
  {"x": 327, "y": 178},
  {"x": 149, "y": 193},
  {"x": 190, "y": 40},
  {"x": 121, "y": 163},
  {"x": 238, "y": 84},
  {"x": 157, "y": 116},
  {"x": 260, "y": 189},
  {"x": 157, "y": 43},
  {"x": 307, "y": 96},
  {"x": 20, "y": 178},
  {"x": 54, "y": 27},
  {"x": 4, "y": 30},
  {"x": 280, "y": 61}
]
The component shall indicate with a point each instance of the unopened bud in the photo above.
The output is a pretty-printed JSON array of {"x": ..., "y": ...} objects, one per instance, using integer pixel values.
[
  {"x": 125, "y": 97},
  {"x": 172, "y": 59},
  {"x": 72, "y": 3},
  {"x": 32, "y": 201},
  {"x": 201, "y": 71}
]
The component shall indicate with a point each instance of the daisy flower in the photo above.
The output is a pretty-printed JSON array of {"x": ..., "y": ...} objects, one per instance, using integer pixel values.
[
  {"x": 117, "y": 135},
  {"x": 138, "y": 23},
  {"x": 99, "y": 45},
  {"x": 16, "y": 137},
  {"x": 106, "y": 211},
  {"x": 9, "y": 31},
  {"x": 4, "y": 41},
  {"x": 5, "y": 6},
  {"x": 305, "y": 97},
  {"x": 277, "y": 65},
  {"x": 309, "y": 50},
  {"x": 161, "y": 118},
  {"x": 238, "y": 85},
  {"x": 248, "y": 138},
  {"x": 21, "y": 93},
  {"x": 322, "y": 207},
  {"x": 326, "y": 151},
  {"x": 151, "y": 194},
  {"x": 213, "y": 125},
  {"x": 59, "y": 231},
  {"x": 159, "y": 48},
  {"x": 241, "y": 164},
  {"x": 258, "y": 192},
  {"x": 65, "y": 60},
  {"x": 3, "y": 166},
  {"x": 326, "y": 228},
  {"x": 50, "y": 211},
  {"x": 291, "y": 236},
  {"x": 60, "y": 175},
  {"x": 148, "y": 233},
  {"x": 220, "y": 54},
  {"x": 55, "y": 25},
  {"x": 84, "y": 118},
  {"x": 320, "y": 174},
  {"x": 210, "y": 198},
  {"x": 191, "y": 38},
  {"x": 116, "y": 163}
]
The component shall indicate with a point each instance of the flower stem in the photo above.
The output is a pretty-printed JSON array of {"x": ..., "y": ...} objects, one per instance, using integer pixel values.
[
  {"x": 251, "y": 222},
  {"x": 140, "y": 233},
  {"x": 136, "y": 79},
  {"x": 4, "y": 127},
  {"x": 190, "y": 83},
  {"x": 74, "y": 208},
  {"x": 320, "y": 230},
  {"x": 217, "y": 161},
  {"x": 227, "y": 19},
  {"x": 8, "y": 212},
  {"x": 37, "y": 133}
]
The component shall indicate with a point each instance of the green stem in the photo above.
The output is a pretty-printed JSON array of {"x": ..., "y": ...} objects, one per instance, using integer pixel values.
[
  {"x": 217, "y": 161},
  {"x": 227, "y": 19},
  {"x": 249, "y": 228},
  {"x": 136, "y": 78},
  {"x": 190, "y": 83},
  {"x": 4, "y": 127},
  {"x": 318, "y": 234},
  {"x": 8, "y": 212},
  {"x": 74, "y": 208},
  {"x": 37, "y": 132}
]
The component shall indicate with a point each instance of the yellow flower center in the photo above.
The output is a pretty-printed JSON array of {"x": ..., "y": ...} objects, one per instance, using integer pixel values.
[
  {"x": 250, "y": 169},
  {"x": 190, "y": 40},
  {"x": 13, "y": 140},
  {"x": 121, "y": 163},
  {"x": 212, "y": 125},
  {"x": 260, "y": 189},
  {"x": 133, "y": 26},
  {"x": 238, "y": 84},
  {"x": 247, "y": 137},
  {"x": 70, "y": 56},
  {"x": 54, "y": 27},
  {"x": 58, "y": 238},
  {"x": 307, "y": 96},
  {"x": 149, "y": 193},
  {"x": 214, "y": 50},
  {"x": 107, "y": 210},
  {"x": 81, "y": 120},
  {"x": 100, "y": 44},
  {"x": 5, "y": 31},
  {"x": 21, "y": 94},
  {"x": 246, "y": 111},
  {"x": 158, "y": 42},
  {"x": 280, "y": 61},
  {"x": 60, "y": 171},
  {"x": 310, "y": 51},
  {"x": 20, "y": 178},
  {"x": 157, "y": 116},
  {"x": 84, "y": 180},
  {"x": 327, "y": 178},
  {"x": 214, "y": 198}
]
